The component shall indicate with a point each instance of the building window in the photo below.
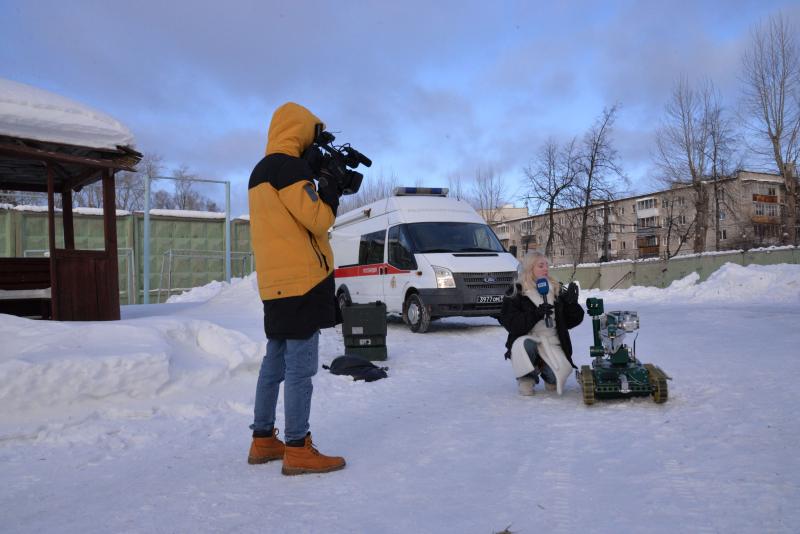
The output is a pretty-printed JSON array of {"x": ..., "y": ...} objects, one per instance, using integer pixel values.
[
  {"x": 764, "y": 208},
  {"x": 771, "y": 191},
  {"x": 623, "y": 245},
  {"x": 622, "y": 210},
  {"x": 723, "y": 234},
  {"x": 646, "y": 204},
  {"x": 682, "y": 219},
  {"x": 766, "y": 230},
  {"x": 648, "y": 222},
  {"x": 679, "y": 201},
  {"x": 721, "y": 215}
]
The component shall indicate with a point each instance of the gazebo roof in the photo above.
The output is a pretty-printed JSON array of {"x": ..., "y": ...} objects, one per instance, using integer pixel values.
[{"x": 37, "y": 126}]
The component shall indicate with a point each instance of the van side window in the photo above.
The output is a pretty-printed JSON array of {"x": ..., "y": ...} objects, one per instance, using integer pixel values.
[
  {"x": 370, "y": 249},
  {"x": 400, "y": 254}
]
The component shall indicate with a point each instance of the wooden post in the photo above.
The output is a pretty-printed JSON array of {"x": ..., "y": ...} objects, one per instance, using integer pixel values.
[
  {"x": 109, "y": 213},
  {"x": 66, "y": 218},
  {"x": 111, "y": 297},
  {"x": 51, "y": 227}
]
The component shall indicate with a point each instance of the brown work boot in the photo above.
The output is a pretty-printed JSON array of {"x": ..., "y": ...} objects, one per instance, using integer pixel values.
[
  {"x": 264, "y": 450},
  {"x": 307, "y": 459}
]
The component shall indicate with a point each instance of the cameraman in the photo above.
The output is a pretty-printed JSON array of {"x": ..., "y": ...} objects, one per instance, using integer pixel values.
[{"x": 289, "y": 221}]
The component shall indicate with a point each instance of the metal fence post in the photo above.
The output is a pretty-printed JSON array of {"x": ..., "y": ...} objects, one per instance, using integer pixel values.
[
  {"x": 146, "y": 243},
  {"x": 228, "y": 232}
]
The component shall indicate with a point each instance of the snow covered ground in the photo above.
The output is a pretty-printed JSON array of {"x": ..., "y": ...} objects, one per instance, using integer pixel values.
[{"x": 141, "y": 425}]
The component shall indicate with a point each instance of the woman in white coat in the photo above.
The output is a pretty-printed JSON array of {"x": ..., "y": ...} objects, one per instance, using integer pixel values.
[{"x": 538, "y": 326}]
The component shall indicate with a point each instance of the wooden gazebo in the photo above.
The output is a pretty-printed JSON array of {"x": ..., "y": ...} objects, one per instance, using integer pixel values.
[{"x": 83, "y": 284}]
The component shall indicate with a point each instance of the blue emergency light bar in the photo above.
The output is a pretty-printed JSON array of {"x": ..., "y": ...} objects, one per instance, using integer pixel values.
[{"x": 420, "y": 191}]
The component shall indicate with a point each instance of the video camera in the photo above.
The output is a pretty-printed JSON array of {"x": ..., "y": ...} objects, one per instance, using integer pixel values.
[{"x": 331, "y": 162}]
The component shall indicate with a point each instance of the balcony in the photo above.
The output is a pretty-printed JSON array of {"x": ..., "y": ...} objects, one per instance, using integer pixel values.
[
  {"x": 649, "y": 251},
  {"x": 502, "y": 234},
  {"x": 767, "y": 199},
  {"x": 642, "y": 231},
  {"x": 645, "y": 213}
]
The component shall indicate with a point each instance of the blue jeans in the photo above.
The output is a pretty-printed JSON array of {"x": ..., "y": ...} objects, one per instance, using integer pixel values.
[
  {"x": 293, "y": 361},
  {"x": 547, "y": 373}
]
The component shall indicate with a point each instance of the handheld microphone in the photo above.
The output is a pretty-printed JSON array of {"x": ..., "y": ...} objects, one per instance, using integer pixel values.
[{"x": 543, "y": 287}]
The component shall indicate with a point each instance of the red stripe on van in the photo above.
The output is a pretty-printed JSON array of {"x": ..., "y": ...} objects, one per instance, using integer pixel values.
[{"x": 372, "y": 269}]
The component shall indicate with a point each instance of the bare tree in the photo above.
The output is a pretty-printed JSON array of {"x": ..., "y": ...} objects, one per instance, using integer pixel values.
[
  {"x": 186, "y": 198},
  {"x": 721, "y": 155},
  {"x": 163, "y": 200},
  {"x": 372, "y": 188},
  {"x": 597, "y": 171},
  {"x": 130, "y": 186},
  {"x": 772, "y": 88},
  {"x": 677, "y": 225},
  {"x": 683, "y": 146},
  {"x": 489, "y": 193},
  {"x": 553, "y": 172},
  {"x": 455, "y": 187}
]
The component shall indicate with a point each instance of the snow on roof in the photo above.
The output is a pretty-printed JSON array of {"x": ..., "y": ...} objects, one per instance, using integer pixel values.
[
  {"x": 97, "y": 211},
  {"x": 81, "y": 211},
  {"x": 752, "y": 176},
  {"x": 189, "y": 213},
  {"x": 31, "y": 113}
]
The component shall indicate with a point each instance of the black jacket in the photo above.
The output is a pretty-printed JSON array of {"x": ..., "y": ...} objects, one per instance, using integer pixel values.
[{"x": 519, "y": 315}]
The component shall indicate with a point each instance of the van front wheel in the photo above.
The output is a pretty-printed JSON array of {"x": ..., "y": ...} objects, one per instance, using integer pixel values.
[
  {"x": 417, "y": 316},
  {"x": 343, "y": 299}
]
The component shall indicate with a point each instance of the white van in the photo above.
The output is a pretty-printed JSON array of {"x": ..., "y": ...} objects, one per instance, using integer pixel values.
[{"x": 442, "y": 259}]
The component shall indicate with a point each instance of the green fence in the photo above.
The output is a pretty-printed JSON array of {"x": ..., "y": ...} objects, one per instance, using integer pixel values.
[{"x": 185, "y": 252}]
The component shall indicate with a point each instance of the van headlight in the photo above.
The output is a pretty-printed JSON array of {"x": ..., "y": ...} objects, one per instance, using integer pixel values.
[{"x": 444, "y": 277}]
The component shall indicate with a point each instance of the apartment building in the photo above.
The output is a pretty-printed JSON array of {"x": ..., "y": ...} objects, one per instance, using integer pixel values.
[{"x": 744, "y": 211}]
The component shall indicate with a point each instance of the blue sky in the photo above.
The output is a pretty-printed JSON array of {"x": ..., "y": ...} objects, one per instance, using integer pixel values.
[{"x": 426, "y": 89}]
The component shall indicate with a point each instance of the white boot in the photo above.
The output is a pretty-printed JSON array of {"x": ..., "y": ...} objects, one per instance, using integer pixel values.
[{"x": 525, "y": 385}]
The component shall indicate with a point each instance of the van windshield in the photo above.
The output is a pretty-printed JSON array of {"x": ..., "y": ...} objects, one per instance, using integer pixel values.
[{"x": 453, "y": 237}]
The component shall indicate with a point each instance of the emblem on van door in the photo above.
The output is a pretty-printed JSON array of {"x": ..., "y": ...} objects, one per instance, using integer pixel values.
[{"x": 489, "y": 279}]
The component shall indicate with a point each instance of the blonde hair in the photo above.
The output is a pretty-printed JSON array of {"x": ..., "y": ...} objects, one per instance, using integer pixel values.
[{"x": 527, "y": 281}]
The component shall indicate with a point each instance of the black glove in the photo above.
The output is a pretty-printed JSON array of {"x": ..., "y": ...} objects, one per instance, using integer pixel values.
[
  {"x": 531, "y": 310},
  {"x": 545, "y": 308},
  {"x": 514, "y": 291},
  {"x": 570, "y": 295},
  {"x": 329, "y": 193}
]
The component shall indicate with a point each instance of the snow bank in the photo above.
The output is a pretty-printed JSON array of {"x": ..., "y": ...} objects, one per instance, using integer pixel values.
[
  {"x": 55, "y": 365},
  {"x": 31, "y": 113},
  {"x": 730, "y": 283},
  {"x": 239, "y": 287}
]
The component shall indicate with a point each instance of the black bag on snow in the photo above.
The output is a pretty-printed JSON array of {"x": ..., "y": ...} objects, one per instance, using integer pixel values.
[{"x": 358, "y": 368}]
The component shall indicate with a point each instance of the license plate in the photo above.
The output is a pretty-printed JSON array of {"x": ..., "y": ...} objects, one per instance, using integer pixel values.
[{"x": 490, "y": 299}]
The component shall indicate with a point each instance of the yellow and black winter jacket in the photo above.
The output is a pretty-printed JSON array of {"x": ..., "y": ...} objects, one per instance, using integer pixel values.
[{"x": 289, "y": 231}]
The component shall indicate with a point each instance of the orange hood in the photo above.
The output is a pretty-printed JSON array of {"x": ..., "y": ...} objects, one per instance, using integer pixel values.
[{"x": 291, "y": 130}]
